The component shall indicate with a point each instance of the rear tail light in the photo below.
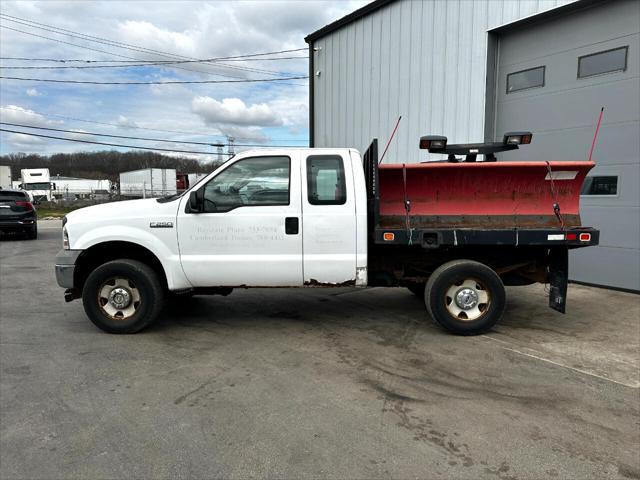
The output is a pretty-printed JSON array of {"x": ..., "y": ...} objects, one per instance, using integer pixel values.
[
  {"x": 388, "y": 236},
  {"x": 27, "y": 205},
  {"x": 572, "y": 236},
  {"x": 585, "y": 237}
]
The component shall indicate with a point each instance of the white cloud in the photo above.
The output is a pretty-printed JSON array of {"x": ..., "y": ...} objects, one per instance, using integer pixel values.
[
  {"x": 20, "y": 141},
  {"x": 202, "y": 29},
  {"x": 235, "y": 112},
  {"x": 125, "y": 122},
  {"x": 17, "y": 114}
]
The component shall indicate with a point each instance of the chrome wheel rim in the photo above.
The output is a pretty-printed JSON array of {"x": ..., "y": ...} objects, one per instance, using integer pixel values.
[
  {"x": 119, "y": 298},
  {"x": 467, "y": 300}
]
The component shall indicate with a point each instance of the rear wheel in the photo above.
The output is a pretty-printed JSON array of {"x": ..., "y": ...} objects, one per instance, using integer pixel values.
[
  {"x": 465, "y": 297},
  {"x": 122, "y": 296}
]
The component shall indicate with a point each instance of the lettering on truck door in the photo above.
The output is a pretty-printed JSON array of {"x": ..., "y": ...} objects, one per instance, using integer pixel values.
[
  {"x": 329, "y": 226},
  {"x": 249, "y": 231}
]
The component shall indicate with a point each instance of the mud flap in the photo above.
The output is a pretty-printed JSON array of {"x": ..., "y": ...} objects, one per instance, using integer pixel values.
[{"x": 558, "y": 278}]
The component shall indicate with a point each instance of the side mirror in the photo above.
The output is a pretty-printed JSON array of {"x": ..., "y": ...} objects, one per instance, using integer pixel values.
[{"x": 195, "y": 201}]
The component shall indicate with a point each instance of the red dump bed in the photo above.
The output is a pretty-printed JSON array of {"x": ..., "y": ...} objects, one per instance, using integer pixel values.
[{"x": 482, "y": 195}]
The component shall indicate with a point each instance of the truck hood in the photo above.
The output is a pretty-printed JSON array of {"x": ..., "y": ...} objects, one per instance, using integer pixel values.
[{"x": 146, "y": 210}]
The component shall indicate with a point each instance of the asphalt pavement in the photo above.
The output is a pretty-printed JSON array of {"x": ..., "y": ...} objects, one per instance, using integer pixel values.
[{"x": 313, "y": 383}]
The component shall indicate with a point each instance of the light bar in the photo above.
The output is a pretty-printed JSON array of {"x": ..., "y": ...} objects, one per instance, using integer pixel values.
[
  {"x": 517, "y": 138},
  {"x": 432, "y": 141}
]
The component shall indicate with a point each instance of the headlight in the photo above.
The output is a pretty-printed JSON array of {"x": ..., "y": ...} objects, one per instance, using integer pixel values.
[{"x": 65, "y": 238}]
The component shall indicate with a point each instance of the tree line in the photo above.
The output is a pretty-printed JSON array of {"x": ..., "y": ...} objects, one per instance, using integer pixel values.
[{"x": 102, "y": 165}]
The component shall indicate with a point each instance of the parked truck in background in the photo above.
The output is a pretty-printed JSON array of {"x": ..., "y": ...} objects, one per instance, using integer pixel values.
[
  {"x": 453, "y": 232},
  {"x": 148, "y": 182},
  {"x": 5, "y": 177},
  {"x": 37, "y": 182}
]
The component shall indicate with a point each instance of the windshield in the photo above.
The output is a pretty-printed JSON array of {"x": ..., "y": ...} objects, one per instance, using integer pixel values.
[{"x": 36, "y": 186}]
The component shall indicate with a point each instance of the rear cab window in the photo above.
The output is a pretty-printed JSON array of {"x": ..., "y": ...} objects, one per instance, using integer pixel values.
[{"x": 326, "y": 184}]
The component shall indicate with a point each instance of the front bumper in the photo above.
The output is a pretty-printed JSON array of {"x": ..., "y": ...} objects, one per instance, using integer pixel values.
[{"x": 65, "y": 267}]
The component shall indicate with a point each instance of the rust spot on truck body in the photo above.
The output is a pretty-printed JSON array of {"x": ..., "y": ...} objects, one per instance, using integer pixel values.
[{"x": 315, "y": 283}]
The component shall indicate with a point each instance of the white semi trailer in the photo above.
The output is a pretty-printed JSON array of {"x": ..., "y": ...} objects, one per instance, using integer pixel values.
[
  {"x": 148, "y": 182},
  {"x": 5, "y": 176}
]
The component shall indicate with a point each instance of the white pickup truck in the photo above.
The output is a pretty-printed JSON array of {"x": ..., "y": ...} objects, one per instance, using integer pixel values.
[{"x": 452, "y": 232}]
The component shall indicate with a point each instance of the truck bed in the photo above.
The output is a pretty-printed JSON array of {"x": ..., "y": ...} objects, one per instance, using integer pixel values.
[{"x": 479, "y": 203}]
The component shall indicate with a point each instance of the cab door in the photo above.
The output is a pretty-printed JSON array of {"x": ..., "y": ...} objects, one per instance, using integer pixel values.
[
  {"x": 329, "y": 227},
  {"x": 249, "y": 232}
]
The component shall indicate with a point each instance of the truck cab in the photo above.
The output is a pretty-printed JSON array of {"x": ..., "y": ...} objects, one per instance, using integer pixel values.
[{"x": 37, "y": 182}]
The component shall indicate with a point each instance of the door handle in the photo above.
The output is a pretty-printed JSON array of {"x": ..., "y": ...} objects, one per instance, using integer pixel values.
[{"x": 291, "y": 225}]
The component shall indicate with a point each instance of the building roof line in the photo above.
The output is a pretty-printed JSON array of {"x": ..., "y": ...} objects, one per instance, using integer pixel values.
[{"x": 350, "y": 18}]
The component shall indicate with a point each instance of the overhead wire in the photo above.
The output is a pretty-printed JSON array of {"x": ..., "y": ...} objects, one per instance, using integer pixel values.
[
  {"x": 110, "y": 144},
  {"x": 168, "y": 63},
  {"x": 127, "y": 137},
  {"x": 158, "y": 82},
  {"x": 45, "y": 114},
  {"x": 234, "y": 57},
  {"x": 127, "y": 65},
  {"x": 113, "y": 43}
]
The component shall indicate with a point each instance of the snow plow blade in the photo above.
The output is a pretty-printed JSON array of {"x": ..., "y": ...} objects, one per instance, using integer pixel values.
[{"x": 494, "y": 195}]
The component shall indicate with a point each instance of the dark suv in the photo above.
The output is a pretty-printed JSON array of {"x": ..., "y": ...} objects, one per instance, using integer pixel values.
[{"x": 17, "y": 213}]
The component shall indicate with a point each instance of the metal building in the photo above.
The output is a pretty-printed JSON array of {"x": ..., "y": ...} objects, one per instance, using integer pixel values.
[{"x": 471, "y": 70}]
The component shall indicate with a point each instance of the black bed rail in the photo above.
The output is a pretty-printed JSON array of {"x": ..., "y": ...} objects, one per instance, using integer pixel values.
[{"x": 370, "y": 165}]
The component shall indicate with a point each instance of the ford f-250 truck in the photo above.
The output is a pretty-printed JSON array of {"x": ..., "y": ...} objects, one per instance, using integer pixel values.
[{"x": 454, "y": 232}]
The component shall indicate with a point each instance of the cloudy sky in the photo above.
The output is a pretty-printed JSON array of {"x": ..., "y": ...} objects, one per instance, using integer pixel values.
[{"x": 270, "y": 113}]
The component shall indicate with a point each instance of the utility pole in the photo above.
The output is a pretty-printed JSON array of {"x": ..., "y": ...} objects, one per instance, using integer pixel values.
[
  {"x": 219, "y": 147},
  {"x": 230, "y": 146}
]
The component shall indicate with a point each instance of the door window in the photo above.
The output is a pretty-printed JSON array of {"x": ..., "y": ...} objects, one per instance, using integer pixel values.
[
  {"x": 256, "y": 181},
  {"x": 325, "y": 180}
]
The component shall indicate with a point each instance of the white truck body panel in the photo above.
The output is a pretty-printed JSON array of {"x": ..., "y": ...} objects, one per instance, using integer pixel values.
[
  {"x": 37, "y": 182},
  {"x": 329, "y": 233},
  {"x": 79, "y": 185},
  {"x": 131, "y": 221},
  {"x": 5, "y": 176},
  {"x": 247, "y": 245},
  {"x": 148, "y": 182}
]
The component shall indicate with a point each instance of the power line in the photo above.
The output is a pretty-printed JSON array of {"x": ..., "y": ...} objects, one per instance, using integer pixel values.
[
  {"x": 168, "y": 63},
  {"x": 107, "y": 144},
  {"x": 99, "y": 51},
  {"x": 167, "y": 82},
  {"x": 129, "y": 65},
  {"x": 211, "y": 144},
  {"x": 113, "y": 43},
  {"x": 236, "y": 57},
  {"x": 140, "y": 128}
]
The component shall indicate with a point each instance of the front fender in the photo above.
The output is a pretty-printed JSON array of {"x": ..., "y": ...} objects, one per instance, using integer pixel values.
[{"x": 162, "y": 244}]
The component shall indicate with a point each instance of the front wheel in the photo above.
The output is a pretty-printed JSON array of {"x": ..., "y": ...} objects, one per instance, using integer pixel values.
[
  {"x": 465, "y": 297},
  {"x": 122, "y": 296}
]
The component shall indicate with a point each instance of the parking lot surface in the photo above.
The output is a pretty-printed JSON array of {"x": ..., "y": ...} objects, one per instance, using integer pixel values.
[{"x": 313, "y": 383}]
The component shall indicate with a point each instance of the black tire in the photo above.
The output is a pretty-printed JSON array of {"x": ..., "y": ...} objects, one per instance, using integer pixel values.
[
  {"x": 32, "y": 233},
  {"x": 139, "y": 277},
  {"x": 454, "y": 273},
  {"x": 417, "y": 289}
]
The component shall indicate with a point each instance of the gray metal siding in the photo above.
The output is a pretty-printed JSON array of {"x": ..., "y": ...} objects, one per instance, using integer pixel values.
[
  {"x": 562, "y": 116},
  {"x": 424, "y": 60}
]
